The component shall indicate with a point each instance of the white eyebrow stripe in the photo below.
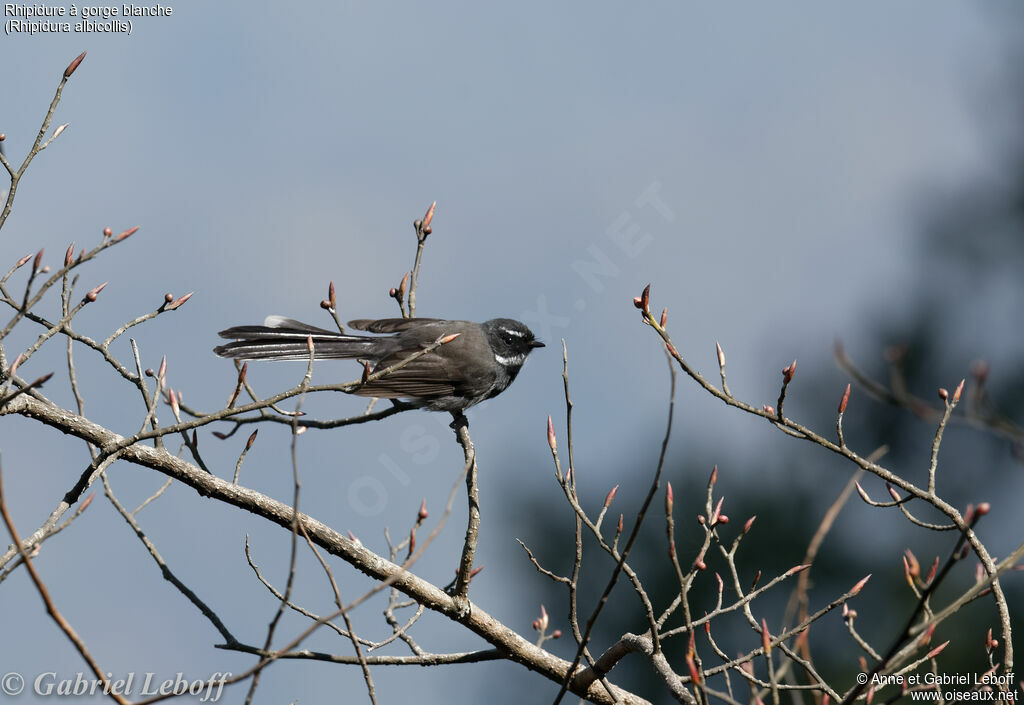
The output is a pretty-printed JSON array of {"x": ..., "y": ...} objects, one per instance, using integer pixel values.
[
  {"x": 516, "y": 361},
  {"x": 516, "y": 333}
]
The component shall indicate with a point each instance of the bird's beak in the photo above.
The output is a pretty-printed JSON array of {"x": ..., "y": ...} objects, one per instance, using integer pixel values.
[{"x": 536, "y": 344}]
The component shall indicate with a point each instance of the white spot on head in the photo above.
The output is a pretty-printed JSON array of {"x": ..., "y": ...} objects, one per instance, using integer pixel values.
[{"x": 516, "y": 333}]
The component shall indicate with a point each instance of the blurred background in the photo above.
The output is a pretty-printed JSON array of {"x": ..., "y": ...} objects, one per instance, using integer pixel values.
[{"x": 783, "y": 176}]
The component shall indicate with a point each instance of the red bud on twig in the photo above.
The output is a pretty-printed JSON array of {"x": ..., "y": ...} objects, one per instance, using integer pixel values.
[
  {"x": 937, "y": 650},
  {"x": 610, "y": 497},
  {"x": 21, "y": 262},
  {"x": 766, "y": 637},
  {"x": 721, "y": 354},
  {"x": 757, "y": 579},
  {"x": 174, "y": 402},
  {"x": 694, "y": 674},
  {"x": 15, "y": 364},
  {"x": 788, "y": 371},
  {"x": 892, "y": 492},
  {"x": 798, "y": 569},
  {"x": 768, "y": 409},
  {"x": 618, "y": 527},
  {"x": 88, "y": 501},
  {"x": 180, "y": 301},
  {"x": 645, "y": 299},
  {"x": 107, "y": 232},
  {"x": 749, "y": 523},
  {"x": 844, "y": 400},
  {"x": 37, "y": 260},
  {"x": 860, "y": 584},
  {"x": 717, "y": 512},
  {"x": 69, "y": 255},
  {"x": 913, "y": 567},
  {"x": 931, "y": 571},
  {"x": 714, "y": 476},
  {"x": 449, "y": 338},
  {"x": 552, "y": 439},
  {"x": 309, "y": 344},
  {"x": 958, "y": 391},
  {"x": 330, "y": 295},
  {"x": 126, "y": 234},
  {"x": 943, "y": 394},
  {"x": 252, "y": 439},
  {"x": 664, "y": 317},
  {"x": 422, "y": 514},
  {"x": 668, "y": 497},
  {"x": 74, "y": 65},
  {"x": 93, "y": 293},
  {"x": 430, "y": 215}
]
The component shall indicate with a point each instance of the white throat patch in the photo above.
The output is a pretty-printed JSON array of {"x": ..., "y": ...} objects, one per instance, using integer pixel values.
[{"x": 514, "y": 361}]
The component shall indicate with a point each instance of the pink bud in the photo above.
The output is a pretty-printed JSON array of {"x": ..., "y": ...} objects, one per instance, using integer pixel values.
[
  {"x": 74, "y": 65},
  {"x": 788, "y": 371},
  {"x": 610, "y": 497},
  {"x": 126, "y": 234},
  {"x": 180, "y": 301},
  {"x": 93, "y": 293},
  {"x": 860, "y": 584}
]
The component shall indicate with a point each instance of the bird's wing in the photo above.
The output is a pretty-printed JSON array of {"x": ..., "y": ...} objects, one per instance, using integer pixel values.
[
  {"x": 425, "y": 376},
  {"x": 390, "y": 325}
]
